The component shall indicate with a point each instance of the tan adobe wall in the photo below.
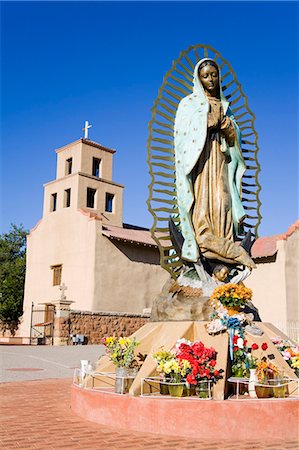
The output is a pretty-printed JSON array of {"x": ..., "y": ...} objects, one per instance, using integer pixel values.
[
  {"x": 73, "y": 151},
  {"x": 97, "y": 325},
  {"x": 292, "y": 276},
  {"x": 114, "y": 218},
  {"x": 89, "y": 152},
  {"x": 58, "y": 187},
  {"x": 127, "y": 277},
  {"x": 267, "y": 282}
]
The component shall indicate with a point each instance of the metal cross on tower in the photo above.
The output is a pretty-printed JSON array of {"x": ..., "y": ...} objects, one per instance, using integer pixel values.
[
  {"x": 63, "y": 288},
  {"x": 85, "y": 129}
]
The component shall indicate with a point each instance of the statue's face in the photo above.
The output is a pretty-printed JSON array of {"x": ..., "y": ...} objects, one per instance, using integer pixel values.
[
  {"x": 209, "y": 78},
  {"x": 222, "y": 274}
]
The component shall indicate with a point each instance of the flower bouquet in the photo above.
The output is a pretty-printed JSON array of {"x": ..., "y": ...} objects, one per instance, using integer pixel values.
[
  {"x": 201, "y": 370},
  {"x": 267, "y": 373},
  {"x": 121, "y": 352},
  {"x": 232, "y": 296},
  {"x": 174, "y": 372},
  {"x": 240, "y": 357},
  {"x": 289, "y": 351}
]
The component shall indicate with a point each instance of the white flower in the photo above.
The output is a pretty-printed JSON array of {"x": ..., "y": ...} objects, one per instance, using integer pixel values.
[
  {"x": 240, "y": 343},
  {"x": 182, "y": 341}
]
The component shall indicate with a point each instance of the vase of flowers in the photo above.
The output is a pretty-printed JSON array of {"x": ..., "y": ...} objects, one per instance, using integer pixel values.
[
  {"x": 239, "y": 366},
  {"x": 251, "y": 363},
  {"x": 201, "y": 371},
  {"x": 266, "y": 371},
  {"x": 203, "y": 389},
  {"x": 232, "y": 296},
  {"x": 121, "y": 352}
]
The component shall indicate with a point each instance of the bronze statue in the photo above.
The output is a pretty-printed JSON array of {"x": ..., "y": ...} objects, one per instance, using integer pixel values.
[
  {"x": 200, "y": 146},
  {"x": 209, "y": 170}
]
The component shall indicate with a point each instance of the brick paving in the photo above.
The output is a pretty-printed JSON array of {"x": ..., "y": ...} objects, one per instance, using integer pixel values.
[{"x": 37, "y": 415}]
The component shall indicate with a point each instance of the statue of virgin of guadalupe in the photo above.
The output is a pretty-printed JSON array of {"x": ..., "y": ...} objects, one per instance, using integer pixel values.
[{"x": 209, "y": 169}]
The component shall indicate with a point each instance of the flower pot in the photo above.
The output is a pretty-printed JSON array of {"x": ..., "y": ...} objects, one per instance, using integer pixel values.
[
  {"x": 121, "y": 380},
  {"x": 189, "y": 390},
  {"x": 263, "y": 391},
  {"x": 203, "y": 390},
  {"x": 176, "y": 390},
  {"x": 164, "y": 388},
  {"x": 279, "y": 391}
]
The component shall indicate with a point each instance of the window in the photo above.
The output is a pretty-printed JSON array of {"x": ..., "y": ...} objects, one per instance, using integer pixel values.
[
  {"x": 57, "y": 270},
  {"x": 67, "y": 198},
  {"x": 109, "y": 202},
  {"x": 96, "y": 167},
  {"x": 68, "y": 166},
  {"x": 53, "y": 202},
  {"x": 90, "y": 197}
]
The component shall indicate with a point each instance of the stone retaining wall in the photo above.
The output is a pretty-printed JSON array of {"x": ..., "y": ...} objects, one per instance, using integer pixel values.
[{"x": 97, "y": 325}]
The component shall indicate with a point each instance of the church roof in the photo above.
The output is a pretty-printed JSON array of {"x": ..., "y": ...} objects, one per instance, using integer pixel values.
[
  {"x": 131, "y": 235},
  {"x": 263, "y": 247},
  {"x": 267, "y": 246},
  {"x": 88, "y": 142}
]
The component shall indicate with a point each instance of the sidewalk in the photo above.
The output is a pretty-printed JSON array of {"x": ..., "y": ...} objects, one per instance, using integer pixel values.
[
  {"x": 21, "y": 363},
  {"x": 36, "y": 415}
]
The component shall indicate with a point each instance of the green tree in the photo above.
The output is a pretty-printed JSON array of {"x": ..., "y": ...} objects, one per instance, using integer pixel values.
[{"x": 12, "y": 277}]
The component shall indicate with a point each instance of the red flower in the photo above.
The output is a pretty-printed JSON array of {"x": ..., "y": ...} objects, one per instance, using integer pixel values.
[
  {"x": 235, "y": 348},
  {"x": 264, "y": 346},
  {"x": 245, "y": 342},
  {"x": 216, "y": 373},
  {"x": 213, "y": 363},
  {"x": 235, "y": 339},
  {"x": 254, "y": 346},
  {"x": 191, "y": 379}
]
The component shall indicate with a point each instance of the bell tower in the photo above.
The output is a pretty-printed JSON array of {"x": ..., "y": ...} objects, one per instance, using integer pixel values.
[{"x": 84, "y": 182}]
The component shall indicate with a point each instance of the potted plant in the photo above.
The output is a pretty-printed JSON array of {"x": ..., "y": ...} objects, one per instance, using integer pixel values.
[
  {"x": 232, "y": 296},
  {"x": 161, "y": 357},
  {"x": 121, "y": 352},
  {"x": 174, "y": 372}
]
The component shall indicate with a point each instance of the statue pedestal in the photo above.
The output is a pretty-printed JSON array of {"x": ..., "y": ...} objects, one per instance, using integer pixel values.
[
  {"x": 155, "y": 335},
  {"x": 212, "y": 420}
]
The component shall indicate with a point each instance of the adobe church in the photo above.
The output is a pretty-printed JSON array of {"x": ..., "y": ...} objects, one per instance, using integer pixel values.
[
  {"x": 102, "y": 265},
  {"x": 81, "y": 241}
]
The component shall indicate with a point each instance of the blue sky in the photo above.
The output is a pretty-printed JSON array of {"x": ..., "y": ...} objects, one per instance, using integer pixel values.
[{"x": 66, "y": 62}]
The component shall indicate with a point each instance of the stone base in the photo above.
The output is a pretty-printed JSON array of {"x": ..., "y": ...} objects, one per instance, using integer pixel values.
[{"x": 178, "y": 306}]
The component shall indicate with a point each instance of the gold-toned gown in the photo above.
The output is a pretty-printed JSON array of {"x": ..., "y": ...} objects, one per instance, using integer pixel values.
[{"x": 212, "y": 211}]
